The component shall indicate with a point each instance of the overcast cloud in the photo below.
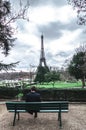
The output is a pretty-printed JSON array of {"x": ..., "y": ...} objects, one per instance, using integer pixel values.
[{"x": 57, "y": 21}]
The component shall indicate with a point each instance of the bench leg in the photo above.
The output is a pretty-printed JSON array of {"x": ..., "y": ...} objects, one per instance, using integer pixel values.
[
  {"x": 14, "y": 119},
  {"x": 58, "y": 116},
  {"x": 18, "y": 116},
  {"x": 59, "y": 119}
]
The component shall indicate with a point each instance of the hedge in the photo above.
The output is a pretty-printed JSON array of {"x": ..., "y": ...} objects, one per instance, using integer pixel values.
[{"x": 72, "y": 95}]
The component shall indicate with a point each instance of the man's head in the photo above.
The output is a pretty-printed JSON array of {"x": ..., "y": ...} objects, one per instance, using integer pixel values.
[{"x": 33, "y": 88}]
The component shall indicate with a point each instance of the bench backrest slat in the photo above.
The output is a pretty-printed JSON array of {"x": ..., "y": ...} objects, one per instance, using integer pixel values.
[{"x": 36, "y": 106}]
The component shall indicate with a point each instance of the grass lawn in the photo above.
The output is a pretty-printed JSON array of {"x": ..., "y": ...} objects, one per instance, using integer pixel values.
[
  {"x": 61, "y": 85},
  {"x": 58, "y": 85}
]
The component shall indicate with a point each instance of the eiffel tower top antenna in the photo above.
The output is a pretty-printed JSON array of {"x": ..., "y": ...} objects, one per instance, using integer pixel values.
[{"x": 42, "y": 55}]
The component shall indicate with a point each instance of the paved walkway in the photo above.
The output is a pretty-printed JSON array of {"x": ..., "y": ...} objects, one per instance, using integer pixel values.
[{"x": 75, "y": 119}]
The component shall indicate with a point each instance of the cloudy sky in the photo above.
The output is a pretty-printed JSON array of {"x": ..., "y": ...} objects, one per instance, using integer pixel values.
[{"x": 57, "y": 21}]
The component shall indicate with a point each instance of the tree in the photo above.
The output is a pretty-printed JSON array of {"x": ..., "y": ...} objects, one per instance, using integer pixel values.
[
  {"x": 65, "y": 76},
  {"x": 7, "y": 17},
  {"x": 48, "y": 77},
  {"x": 41, "y": 71},
  {"x": 82, "y": 48},
  {"x": 80, "y": 5},
  {"x": 77, "y": 65},
  {"x": 52, "y": 76},
  {"x": 83, "y": 67}
]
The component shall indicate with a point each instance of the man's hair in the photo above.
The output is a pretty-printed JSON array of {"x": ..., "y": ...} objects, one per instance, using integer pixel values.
[{"x": 33, "y": 88}]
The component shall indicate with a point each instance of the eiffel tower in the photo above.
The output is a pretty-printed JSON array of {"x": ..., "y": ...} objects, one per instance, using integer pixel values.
[{"x": 42, "y": 55}]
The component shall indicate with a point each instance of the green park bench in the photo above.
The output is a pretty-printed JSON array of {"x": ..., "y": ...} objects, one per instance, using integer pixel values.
[{"x": 41, "y": 107}]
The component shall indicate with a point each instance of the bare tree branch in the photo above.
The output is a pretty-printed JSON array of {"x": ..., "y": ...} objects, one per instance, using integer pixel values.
[
  {"x": 80, "y": 6},
  {"x": 8, "y": 15}
]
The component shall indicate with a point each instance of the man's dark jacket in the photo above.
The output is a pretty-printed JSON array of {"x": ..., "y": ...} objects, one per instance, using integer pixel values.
[{"x": 33, "y": 97}]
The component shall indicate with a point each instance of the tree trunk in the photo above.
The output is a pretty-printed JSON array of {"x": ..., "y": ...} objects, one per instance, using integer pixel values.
[
  {"x": 83, "y": 82},
  {"x": 53, "y": 84}
]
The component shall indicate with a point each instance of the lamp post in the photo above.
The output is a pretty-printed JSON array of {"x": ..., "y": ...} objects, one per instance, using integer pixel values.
[{"x": 31, "y": 72}]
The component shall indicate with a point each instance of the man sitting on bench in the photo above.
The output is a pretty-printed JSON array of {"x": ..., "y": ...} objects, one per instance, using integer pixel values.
[{"x": 33, "y": 96}]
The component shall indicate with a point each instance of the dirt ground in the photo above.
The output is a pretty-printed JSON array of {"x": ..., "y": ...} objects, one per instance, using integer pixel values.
[{"x": 75, "y": 119}]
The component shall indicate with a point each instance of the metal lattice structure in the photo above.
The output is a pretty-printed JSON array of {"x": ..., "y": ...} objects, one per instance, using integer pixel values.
[{"x": 42, "y": 55}]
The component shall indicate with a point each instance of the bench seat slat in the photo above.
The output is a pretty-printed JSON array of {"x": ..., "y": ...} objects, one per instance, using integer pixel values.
[
  {"x": 41, "y": 111},
  {"x": 21, "y": 111},
  {"x": 52, "y": 111}
]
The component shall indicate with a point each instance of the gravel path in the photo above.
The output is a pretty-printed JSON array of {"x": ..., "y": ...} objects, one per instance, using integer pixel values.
[{"x": 75, "y": 119}]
